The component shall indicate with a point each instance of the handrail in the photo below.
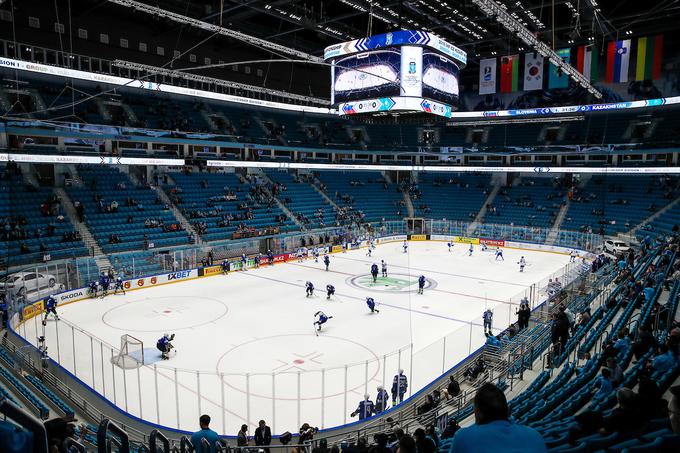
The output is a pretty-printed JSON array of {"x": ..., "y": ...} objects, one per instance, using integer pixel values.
[
  {"x": 155, "y": 434},
  {"x": 107, "y": 426},
  {"x": 29, "y": 422}
]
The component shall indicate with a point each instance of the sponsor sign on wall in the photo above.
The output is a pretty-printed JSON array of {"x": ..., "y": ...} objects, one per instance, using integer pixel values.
[
  {"x": 493, "y": 242},
  {"x": 32, "y": 310},
  {"x": 418, "y": 237},
  {"x": 465, "y": 240}
]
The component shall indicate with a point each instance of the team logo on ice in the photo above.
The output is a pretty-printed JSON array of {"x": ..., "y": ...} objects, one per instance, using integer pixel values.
[{"x": 395, "y": 283}]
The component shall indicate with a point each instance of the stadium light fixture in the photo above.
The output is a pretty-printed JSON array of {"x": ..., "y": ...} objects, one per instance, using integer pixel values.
[
  {"x": 501, "y": 15},
  {"x": 257, "y": 42},
  {"x": 308, "y": 100}
]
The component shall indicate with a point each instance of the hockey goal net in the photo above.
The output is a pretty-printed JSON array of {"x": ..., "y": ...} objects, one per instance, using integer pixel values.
[{"x": 131, "y": 354}]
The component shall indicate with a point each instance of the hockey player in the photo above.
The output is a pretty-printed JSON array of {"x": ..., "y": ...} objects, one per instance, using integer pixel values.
[
  {"x": 405, "y": 246},
  {"x": 488, "y": 322},
  {"x": 104, "y": 281},
  {"x": 326, "y": 261},
  {"x": 371, "y": 305},
  {"x": 226, "y": 266},
  {"x": 165, "y": 346},
  {"x": 244, "y": 262},
  {"x": 421, "y": 284},
  {"x": 369, "y": 251},
  {"x": 316, "y": 254},
  {"x": 471, "y": 249},
  {"x": 51, "y": 307},
  {"x": 309, "y": 289},
  {"x": 365, "y": 410},
  {"x": 330, "y": 291},
  {"x": 499, "y": 254},
  {"x": 320, "y": 319},
  {"x": 381, "y": 400},
  {"x": 92, "y": 291},
  {"x": 300, "y": 255},
  {"x": 449, "y": 245},
  {"x": 399, "y": 386},
  {"x": 484, "y": 247},
  {"x": 119, "y": 285},
  {"x": 522, "y": 262},
  {"x": 572, "y": 256},
  {"x": 383, "y": 266},
  {"x": 257, "y": 260},
  {"x": 374, "y": 272},
  {"x": 270, "y": 257}
]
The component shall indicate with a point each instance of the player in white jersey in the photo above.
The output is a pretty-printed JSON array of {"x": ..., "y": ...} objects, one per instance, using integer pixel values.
[
  {"x": 471, "y": 249},
  {"x": 572, "y": 256},
  {"x": 316, "y": 254},
  {"x": 299, "y": 255},
  {"x": 405, "y": 246},
  {"x": 499, "y": 254},
  {"x": 522, "y": 263},
  {"x": 383, "y": 266},
  {"x": 369, "y": 251}
]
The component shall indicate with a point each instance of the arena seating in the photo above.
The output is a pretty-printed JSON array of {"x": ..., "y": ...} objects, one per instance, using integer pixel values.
[
  {"x": 451, "y": 196},
  {"x": 530, "y": 202}
]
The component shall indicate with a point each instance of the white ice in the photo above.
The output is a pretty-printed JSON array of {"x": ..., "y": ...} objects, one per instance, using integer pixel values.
[{"x": 245, "y": 342}]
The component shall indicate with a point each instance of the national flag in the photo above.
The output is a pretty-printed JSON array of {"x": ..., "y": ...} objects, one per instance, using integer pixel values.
[
  {"x": 557, "y": 79},
  {"x": 618, "y": 59},
  {"x": 487, "y": 76},
  {"x": 586, "y": 62},
  {"x": 533, "y": 71},
  {"x": 509, "y": 73},
  {"x": 649, "y": 54}
]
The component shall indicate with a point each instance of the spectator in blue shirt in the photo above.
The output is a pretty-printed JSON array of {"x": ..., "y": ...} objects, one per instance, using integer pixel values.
[
  {"x": 603, "y": 384},
  {"x": 493, "y": 431},
  {"x": 664, "y": 361},
  {"x": 205, "y": 433}
]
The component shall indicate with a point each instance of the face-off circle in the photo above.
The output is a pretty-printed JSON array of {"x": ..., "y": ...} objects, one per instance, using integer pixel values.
[{"x": 393, "y": 283}]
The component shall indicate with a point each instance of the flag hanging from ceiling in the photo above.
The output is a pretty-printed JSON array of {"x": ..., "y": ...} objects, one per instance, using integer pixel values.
[
  {"x": 557, "y": 79},
  {"x": 586, "y": 62},
  {"x": 618, "y": 59},
  {"x": 649, "y": 54},
  {"x": 487, "y": 76},
  {"x": 509, "y": 73},
  {"x": 533, "y": 71}
]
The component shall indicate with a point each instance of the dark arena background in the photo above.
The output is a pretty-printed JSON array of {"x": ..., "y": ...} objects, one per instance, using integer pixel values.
[{"x": 288, "y": 226}]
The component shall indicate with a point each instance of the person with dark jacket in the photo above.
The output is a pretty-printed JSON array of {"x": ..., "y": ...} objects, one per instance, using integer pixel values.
[
  {"x": 423, "y": 443},
  {"x": 263, "y": 435},
  {"x": 450, "y": 429},
  {"x": 452, "y": 389},
  {"x": 242, "y": 436}
]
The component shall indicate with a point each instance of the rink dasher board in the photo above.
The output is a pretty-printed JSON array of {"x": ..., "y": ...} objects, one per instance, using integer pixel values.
[{"x": 67, "y": 297}]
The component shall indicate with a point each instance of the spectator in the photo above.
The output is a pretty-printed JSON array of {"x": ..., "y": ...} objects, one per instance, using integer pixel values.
[
  {"x": 626, "y": 417},
  {"x": 263, "y": 434},
  {"x": 204, "y": 433},
  {"x": 450, "y": 429},
  {"x": 242, "y": 436},
  {"x": 493, "y": 431},
  {"x": 406, "y": 444},
  {"x": 651, "y": 403},
  {"x": 453, "y": 389},
  {"x": 423, "y": 443},
  {"x": 617, "y": 372},
  {"x": 603, "y": 384},
  {"x": 664, "y": 361}
]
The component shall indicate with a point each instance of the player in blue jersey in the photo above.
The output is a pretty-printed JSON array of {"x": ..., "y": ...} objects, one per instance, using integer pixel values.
[
  {"x": 309, "y": 289},
  {"x": 371, "y": 305},
  {"x": 471, "y": 249},
  {"x": 330, "y": 291},
  {"x": 165, "y": 346},
  {"x": 522, "y": 263},
  {"x": 365, "y": 410},
  {"x": 405, "y": 246},
  {"x": 226, "y": 266},
  {"x": 270, "y": 257},
  {"x": 374, "y": 272},
  {"x": 257, "y": 260},
  {"x": 93, "y": 289},
  {"x": 104, "y": 282},
  {"x": 326, "y": 261},
  {"x": 499, "y": 254},
  {"x": 383, "y": 266},
  {"x": 320, "y": 319},
  {"x": 449, "y": 245},
  {"x": 119, "y": 285},
  {"x": 399, "y": 387},
  {"x": 315, "y": 252},
  {"x": 51, "y": 307},
  {"x": 488, "y": 322},
  {"x": 421, "y": 284},
  {"x": 381, "y": 400}
]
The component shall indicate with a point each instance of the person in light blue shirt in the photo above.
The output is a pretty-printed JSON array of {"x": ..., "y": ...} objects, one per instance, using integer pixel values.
[
  {"x": 493, "y": 431},
  {"x": 604, "y": 385},
  {"x": 664, "y": 361},
  {"x": 205, "y": 433}
]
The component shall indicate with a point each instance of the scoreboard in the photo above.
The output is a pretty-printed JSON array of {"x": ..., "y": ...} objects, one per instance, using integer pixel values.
[{"x": 404, "y": 71}]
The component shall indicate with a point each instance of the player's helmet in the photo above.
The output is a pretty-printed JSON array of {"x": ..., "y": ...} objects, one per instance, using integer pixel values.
[{"x": 366, "y": 396}]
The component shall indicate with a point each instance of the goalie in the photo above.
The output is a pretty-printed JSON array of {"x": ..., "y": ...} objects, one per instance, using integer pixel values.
[{"x": 165, "y": 346}]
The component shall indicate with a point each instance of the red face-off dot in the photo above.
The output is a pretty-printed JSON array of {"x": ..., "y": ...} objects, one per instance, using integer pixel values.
[
  {"x": 167, "y": 311},
  {"x": 298, "y": 361}
]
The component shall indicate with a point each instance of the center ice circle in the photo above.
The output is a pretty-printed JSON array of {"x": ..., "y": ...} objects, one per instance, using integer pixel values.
[
  {"x": 393, "y": 283},
  {"x": 285, "y": 357},
  {"x": 165, "y": 314}
]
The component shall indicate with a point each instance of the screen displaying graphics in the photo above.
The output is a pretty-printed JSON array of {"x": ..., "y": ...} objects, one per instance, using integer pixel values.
[
  {"x": 440, "y": 78},
  {"x": 407, "y": 71},
  {"x": 365, "y": 75}
]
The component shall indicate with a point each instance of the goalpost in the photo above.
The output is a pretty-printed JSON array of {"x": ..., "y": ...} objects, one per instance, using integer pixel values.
[{"x": 131, "y": 354}]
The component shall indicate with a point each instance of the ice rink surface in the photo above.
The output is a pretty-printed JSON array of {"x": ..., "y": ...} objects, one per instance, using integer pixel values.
[{"x": 246, "y": 344}]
